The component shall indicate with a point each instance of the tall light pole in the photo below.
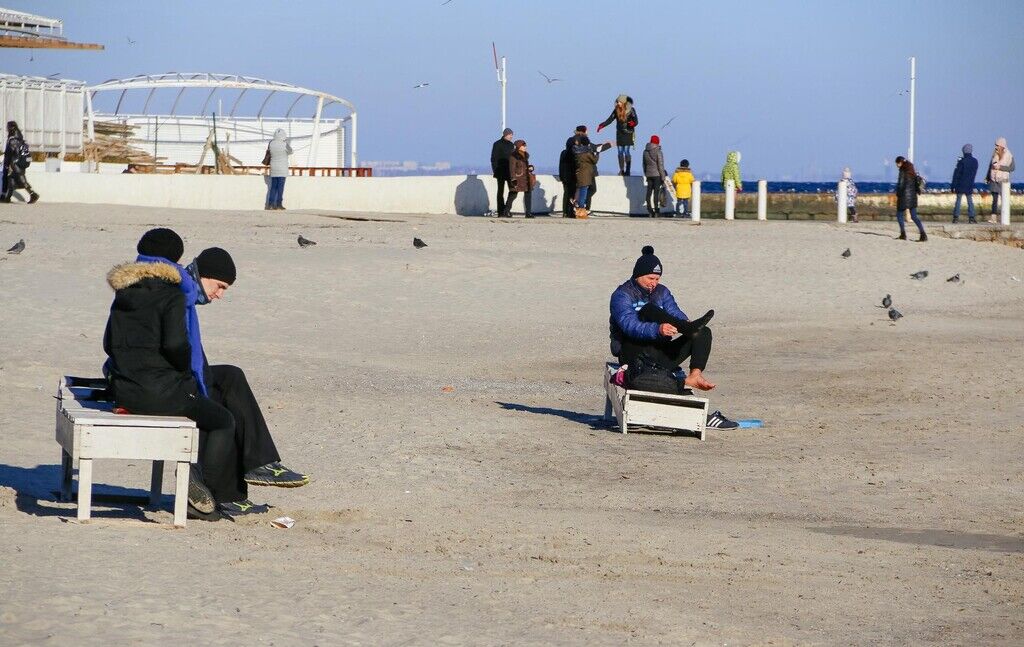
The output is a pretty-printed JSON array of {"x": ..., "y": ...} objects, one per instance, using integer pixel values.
[
  {"x": 913, "y": 87},
  {"x": 502, "y": 72}
]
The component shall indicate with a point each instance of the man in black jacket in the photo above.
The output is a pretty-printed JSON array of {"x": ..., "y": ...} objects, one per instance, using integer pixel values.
[
  {"x": 500, "y": 152},
  {"x": 567, "y": 172}
]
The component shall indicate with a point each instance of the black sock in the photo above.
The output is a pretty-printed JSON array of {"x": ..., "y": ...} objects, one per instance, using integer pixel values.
[{"x": 653, "y": 313}]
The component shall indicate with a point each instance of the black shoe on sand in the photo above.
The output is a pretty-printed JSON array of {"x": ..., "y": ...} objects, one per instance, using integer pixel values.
[
  {"x": 213, "y": 516},
  {"x": 240, "y": 508},
  {"x": 199, "y": 496},
  {"x": 277, "y": 475}
]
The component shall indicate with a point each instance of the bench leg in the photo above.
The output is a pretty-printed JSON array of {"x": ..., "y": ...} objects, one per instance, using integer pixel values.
[
  {"x": 156, "y": 483},
  {"x": 66, "y": 470},
  {"x": 84, "y": 488},
  {"x": 608, "y": 413},
  {"x": 181, "y": 494}
]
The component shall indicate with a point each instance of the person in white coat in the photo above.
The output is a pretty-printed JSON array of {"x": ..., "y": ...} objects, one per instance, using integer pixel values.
[
  {"x": 278, "y": 150},
  {"x": 999, "y": 170}
]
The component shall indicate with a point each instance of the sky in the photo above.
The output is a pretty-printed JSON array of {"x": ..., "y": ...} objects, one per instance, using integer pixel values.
[{"x": 801, "y": 88}]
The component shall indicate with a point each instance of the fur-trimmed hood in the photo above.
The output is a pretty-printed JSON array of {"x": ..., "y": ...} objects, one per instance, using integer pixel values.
[{"x": 128, "y": 274}]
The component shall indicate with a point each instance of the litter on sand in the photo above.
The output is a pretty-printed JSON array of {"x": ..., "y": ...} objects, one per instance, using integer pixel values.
[
  {"x": 283, "y": 522},
  {"x": 750, "y": 423}
]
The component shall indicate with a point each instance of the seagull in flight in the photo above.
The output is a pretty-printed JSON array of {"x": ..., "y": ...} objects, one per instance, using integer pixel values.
[
  {"x": 548, "y": 78},
  {"x": 420, "y": 85},
  {"x": 130, "y": 41},
  {"x": 665, "y": 125},
  {"x": 445, "y": 2}
]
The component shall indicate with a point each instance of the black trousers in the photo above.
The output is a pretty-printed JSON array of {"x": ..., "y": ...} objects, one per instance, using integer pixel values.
[
  {"x": 234, "y": 437},
  {"x": 527, "y": 201},
  {"x": 502, "y": 183},
  {"x": 14, "y": 178},
  {"x": 591, "y": 191},
  {"x": 568, "y": 192},
  {"x": 653, "y": 197},
  {"x": 669, "y": 353}
]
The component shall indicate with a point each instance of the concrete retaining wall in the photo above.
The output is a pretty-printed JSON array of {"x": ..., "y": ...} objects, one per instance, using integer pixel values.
[{"x": 460, "y": 194}]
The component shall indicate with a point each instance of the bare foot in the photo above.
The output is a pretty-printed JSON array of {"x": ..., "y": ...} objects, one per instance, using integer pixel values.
[{"x": 696, "y": 380}]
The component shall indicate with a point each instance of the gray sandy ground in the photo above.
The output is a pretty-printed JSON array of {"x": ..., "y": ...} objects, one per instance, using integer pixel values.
[{"x": 881, "y": 504}]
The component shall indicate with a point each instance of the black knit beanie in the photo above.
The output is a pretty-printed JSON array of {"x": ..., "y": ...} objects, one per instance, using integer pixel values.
[
  {"x": 215, "y": 263},
  {"x": 648, "y": 263},
  {"x": 161, "y": 242}
]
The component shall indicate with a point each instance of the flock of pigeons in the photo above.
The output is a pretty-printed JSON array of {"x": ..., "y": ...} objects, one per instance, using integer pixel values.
[{"x": 894, "y": 314}]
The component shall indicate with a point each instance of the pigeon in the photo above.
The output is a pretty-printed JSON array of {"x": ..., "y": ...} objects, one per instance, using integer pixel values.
[
  {"x": 420, "y": 85},
  {"x": 18, "y": 247},
  {"x": 894, "y": 314},
  {"x": 954, "y": 279},
  {"x": 847, "y": 253},
  {"x": 305, "y": 242},
  {"x": 418, "y": 244},
  {"x": 887, "y": 301},
  {"x": 548, "y": 78},
  {"x": 919, "y": 275}
]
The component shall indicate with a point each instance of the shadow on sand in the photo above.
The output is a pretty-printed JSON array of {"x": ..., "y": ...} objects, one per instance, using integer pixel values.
[
  {"x": 931, "y": 537},
  {"x": 36, "y": 494}
]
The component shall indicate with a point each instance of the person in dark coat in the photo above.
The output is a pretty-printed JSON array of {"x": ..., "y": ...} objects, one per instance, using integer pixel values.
[
  {"x": 500, "y": 152},
  {"x": 522, "y": 179},
  {"x": 586, "y": 155},
  {"x": 908, "y": 185},
  {"x": 15, "y": 162},
  {"x": 964, "y": 174},
  {"x": 567, "y": 173},
  {"x": 624, "y": 116},
  {"x": 156, "y": 366},
  {"x": 654, "y": 173}
]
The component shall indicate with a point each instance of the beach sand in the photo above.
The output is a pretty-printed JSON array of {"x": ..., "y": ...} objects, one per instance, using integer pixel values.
[{"x": 882, "y": 503}]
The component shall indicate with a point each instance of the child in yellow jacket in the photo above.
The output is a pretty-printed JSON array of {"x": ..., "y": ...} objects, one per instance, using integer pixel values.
[{"x": 683, "y": 181}]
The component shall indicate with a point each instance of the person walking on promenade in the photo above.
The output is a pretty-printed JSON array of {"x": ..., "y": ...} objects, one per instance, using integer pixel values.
[
  {"x": 682, "y": 179},
  {"x": 624, "y": 116},
  {"x": 587, "y": 155},
  {"x": 522, "y": 179},
  {"x": 964, "y": 174},
  {"x": 851, "y": 195},
  {"x": 501, "y": 150},
  {"x": 908, "y": 185},
  {"x": 16, "y": 160},
  {"x": 567, "y": 172},
  {"x": 654, "y": 172},
  {"x": 278, "y": 151},
  {"x": 731, "y": 171},
  {"x": 999, "y": 170}
]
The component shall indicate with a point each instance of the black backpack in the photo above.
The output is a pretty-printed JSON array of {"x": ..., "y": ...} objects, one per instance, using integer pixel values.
[
  {"x": 24, "y": 156},
  {"x": 644, "y": 374}
]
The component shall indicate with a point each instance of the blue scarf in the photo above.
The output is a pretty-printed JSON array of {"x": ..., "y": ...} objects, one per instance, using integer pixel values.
[{"x": 193, "y": 296}]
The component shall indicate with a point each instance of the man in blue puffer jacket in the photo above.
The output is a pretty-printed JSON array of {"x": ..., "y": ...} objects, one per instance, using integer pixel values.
[{"x": 663, "y": 335}]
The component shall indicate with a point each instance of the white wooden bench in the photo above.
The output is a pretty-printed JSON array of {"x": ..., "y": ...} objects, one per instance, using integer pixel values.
[
  {"x": 649, "y": 409},
  {"x": 87, "y": 428}
]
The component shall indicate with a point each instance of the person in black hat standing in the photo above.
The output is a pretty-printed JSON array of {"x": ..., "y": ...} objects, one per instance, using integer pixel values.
[
  {"x": 501, "y": 150},
  {"x": 648, "y": 328}
]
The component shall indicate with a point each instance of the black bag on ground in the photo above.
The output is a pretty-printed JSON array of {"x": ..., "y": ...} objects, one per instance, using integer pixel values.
[{"x": 646, "y": 375}]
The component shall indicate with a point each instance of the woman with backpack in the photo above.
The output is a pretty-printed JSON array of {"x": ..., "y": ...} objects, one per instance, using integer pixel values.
[
  {"x": 908, "y": 185},
  {"x": 17, "y": 157}
]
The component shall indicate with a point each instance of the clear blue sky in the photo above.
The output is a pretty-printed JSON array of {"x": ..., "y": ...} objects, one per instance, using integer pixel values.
[{"x": 801, "y": 88}]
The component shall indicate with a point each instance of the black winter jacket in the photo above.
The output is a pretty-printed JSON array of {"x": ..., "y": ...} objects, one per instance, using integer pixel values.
[
  {"x": 146, "y": 340},
  {"x": 964, "y": 174},
  {"x": 906, "y": 191},
  {"x": 500, "y": 152},
  {"x": 625, "y": 135}
]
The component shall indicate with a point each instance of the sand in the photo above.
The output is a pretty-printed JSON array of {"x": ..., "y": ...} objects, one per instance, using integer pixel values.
[{"x": 881, "y": 504}]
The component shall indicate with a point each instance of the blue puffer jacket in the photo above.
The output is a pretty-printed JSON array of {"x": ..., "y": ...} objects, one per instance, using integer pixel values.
[
  {"x": 626, "y": 302},
  {"x": 964, "y": 174}
]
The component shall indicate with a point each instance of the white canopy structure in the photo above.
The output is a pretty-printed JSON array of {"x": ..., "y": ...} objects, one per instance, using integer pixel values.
[
  {"x": 175, "y": 128},
  {"x": 49, "y": 111}
]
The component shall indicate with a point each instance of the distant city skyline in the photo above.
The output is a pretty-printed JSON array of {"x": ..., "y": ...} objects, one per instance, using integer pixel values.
[{"x": 801, "y": 89}]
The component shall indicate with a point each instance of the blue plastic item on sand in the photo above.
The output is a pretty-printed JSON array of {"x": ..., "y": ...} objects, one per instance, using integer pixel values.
[{"x": 750, "y": 423}]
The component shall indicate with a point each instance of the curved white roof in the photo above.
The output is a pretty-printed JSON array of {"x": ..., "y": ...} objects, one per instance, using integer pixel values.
[{"x": 198, "y": 80}]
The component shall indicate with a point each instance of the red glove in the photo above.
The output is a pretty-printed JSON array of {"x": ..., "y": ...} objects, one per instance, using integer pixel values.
[
  {"x": 599, "y": 127},
  {"x": 631, "y": 124}
]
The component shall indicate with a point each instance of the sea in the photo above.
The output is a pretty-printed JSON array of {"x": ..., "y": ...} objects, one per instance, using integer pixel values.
[{"x": 830, "y": 187}]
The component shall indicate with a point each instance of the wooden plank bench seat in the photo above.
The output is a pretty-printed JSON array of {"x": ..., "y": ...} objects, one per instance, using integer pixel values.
[
  {"x": 655, "y": 410},
  {"x": 87, "y": 428}
]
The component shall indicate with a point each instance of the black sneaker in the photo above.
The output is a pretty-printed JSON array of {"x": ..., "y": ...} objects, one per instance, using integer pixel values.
[
  {"x": 199, "y": 496},
  {"x": 213, "y": 516},
  {"x": 275, "y": 474},
  {"x": 240, "y": 508},
  {"x": 717, "y": 421}
]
